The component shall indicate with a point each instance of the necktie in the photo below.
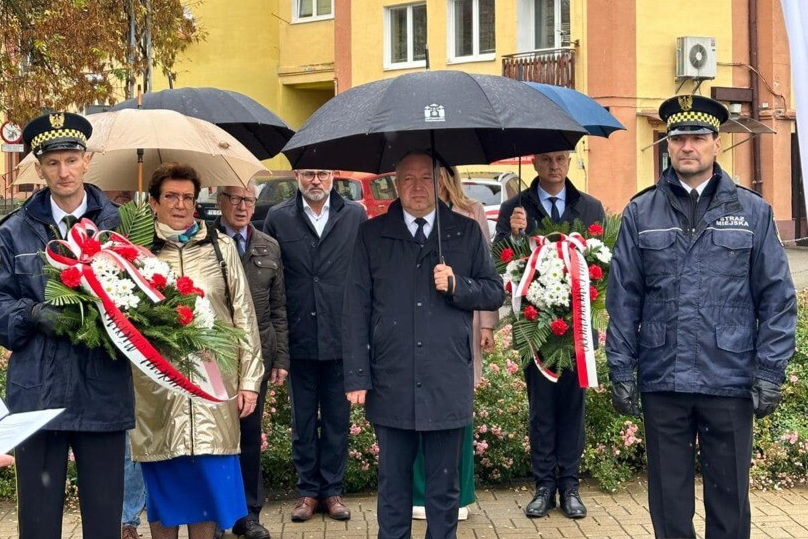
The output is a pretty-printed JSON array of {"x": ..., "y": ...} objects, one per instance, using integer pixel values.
[
  {"x": 694, "y": 207},
  {"x": 420, "y": 237},
  {"x": 554, "y": 215},
  {"x": 69, "y": 221},
  {"x": 240, "y": 243}
]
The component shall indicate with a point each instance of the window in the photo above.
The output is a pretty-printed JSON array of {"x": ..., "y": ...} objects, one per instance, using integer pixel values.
[
  {"x": 471, "y": 29},
  {"x": 543, "y": 24},
  {"x": 312, "y": 10},
  {"x": 405, "y": 33}
]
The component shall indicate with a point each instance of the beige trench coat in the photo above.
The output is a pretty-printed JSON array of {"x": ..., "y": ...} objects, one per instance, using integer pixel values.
[
  {"x": 170, "y": 425},
  {"x": 482, "y": 319}
]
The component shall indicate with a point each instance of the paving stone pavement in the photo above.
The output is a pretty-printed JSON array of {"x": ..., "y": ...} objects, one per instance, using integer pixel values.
[{"x": 498, "y": 514}]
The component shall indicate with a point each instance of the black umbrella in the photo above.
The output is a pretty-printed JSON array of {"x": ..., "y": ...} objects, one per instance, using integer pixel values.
[
  {"x": 460, "y": 118},
  {"x": 251, "y": 123},
  {"x": 464, "y": 118}
]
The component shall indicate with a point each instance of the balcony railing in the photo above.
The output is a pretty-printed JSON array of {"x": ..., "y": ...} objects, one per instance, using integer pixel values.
[{"x": 548, "y": 66}]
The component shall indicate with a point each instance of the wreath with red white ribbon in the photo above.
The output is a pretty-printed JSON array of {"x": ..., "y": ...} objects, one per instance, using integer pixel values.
[
  {"x": 556, "y": 280},
  {"x": 114, "y": 293}
]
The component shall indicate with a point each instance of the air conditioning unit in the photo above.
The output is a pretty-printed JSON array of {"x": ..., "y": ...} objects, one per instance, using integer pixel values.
[{"x": 695, "y": 57}]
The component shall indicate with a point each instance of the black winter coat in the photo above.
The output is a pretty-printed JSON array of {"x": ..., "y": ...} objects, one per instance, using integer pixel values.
[
  {"x": 314, "y": 270},
  {"x": 407, "y": 344},
  {"x": 578, "y": 206},
  {"x": 50, "y": 372}
]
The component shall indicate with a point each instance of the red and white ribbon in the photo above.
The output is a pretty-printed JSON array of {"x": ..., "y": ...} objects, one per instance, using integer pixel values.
[
  {"x": 570, "y": 249},
  {"x": 78, "y": 251}
]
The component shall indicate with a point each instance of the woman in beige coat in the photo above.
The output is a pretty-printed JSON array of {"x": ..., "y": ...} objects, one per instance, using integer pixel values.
[
  {"x": 188, "y": 448},
  {"x": 451, "y": 193}
]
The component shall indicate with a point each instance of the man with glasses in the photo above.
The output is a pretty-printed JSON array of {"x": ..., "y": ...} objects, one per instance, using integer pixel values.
[
  {"x": 316, "y": 230},
  {"x": 261, "y": 259}
]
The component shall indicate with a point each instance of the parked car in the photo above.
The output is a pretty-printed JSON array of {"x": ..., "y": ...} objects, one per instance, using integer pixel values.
[
  {"x": 491, "y": 190},
  {"x": 374, "y": 193}
]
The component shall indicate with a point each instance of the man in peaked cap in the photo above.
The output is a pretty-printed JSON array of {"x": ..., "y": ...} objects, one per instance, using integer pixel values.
[
  {"x": 702, "y": 324},
  {"x": 46, "y": 371}
]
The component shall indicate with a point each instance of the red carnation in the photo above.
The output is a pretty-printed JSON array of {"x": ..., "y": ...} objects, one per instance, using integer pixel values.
[
  {"x": 199, "y": 292},
  {"x": 184, "y": 315},
  {"x": 595, "y": 229},
  {"x": 91, "y": 246},
  {"x": 508, "y": 287},
  {"x": 593, "y": 293},
  {"x": 159, "y": 281},
  {"x": 128, "y": 252},
  {"x": 506, "y": 255},
  {"x": 530, "y": 313},
  {"x": 558, "y": 327},
  {"x": 595, "y": 272},
  {"x": 185, "y": 285},
  {"x": 71, "y": 277}
]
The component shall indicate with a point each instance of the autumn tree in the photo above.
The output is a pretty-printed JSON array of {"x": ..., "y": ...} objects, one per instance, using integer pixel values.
[{"x": 63, "y": 54}]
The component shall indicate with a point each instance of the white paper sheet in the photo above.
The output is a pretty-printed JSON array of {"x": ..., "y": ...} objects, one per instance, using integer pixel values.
[{"x": 14, "y": 428}]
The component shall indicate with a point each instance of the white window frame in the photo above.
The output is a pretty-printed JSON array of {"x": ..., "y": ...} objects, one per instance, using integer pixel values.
[
  {"x": 296, "y": 18},
  {"x": 526, "y": 26},
  {"x": 475, "y": 39},
  {"x": 388, "y": 28}
]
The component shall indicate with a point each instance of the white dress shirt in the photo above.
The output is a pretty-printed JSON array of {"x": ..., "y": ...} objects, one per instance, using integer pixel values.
[
  {"x": 318, "y": 221},
  {"x": 58, "y": 213},
  {"x": 412, "y": 226}
]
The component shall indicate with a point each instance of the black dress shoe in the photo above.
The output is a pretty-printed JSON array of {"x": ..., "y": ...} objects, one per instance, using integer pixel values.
[
  {"x": 219, "y": 533},
  {"x": 571, "y": 504},
  {"x": 250, "y": 529},
  {"x": 542, "y": 502}
]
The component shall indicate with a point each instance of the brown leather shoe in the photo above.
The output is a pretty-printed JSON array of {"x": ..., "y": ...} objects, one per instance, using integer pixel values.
[
  {"x": 336, "y": 509},
  {"x": 304, "y": 509},
  {"x": 129, "y": 532}
]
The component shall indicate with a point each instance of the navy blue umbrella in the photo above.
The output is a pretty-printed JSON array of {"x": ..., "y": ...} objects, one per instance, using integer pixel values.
[
  {"x": 586, "y": 111},
  {"x": 250, "y": 123}
]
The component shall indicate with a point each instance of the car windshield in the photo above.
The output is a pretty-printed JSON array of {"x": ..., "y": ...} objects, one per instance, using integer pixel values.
[
  {"x": 349, "y": 189},
  {"x": 276, "y": 190},
  {"x": 486, "y": 193}
]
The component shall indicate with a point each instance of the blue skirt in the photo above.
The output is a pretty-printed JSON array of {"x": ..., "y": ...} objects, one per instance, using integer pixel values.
[{"x": 189, "y": 490}]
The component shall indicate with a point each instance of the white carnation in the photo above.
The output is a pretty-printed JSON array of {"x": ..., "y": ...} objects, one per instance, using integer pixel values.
[
  {"x": 151, "y": 266},
  {"x": 204, "y": 316}
]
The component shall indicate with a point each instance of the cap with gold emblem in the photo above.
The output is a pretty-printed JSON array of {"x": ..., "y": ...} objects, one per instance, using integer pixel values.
[
  {"x": 692, "y": 114},
  {"x": 57, "y": 131}
]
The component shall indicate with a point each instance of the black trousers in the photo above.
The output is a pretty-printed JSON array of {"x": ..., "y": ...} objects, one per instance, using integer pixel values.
[
  {"x": 250, "y": 457},
  {"x": 556, "y": 430},
  {"x": 41, "y": 474},
  {"x": 321, "y": 416},
  {"x": 723, "y": 425},
  {"x": 397, "y": 451}
]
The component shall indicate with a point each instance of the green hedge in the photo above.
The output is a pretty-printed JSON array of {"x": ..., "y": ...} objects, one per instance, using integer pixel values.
[{"x": 614, "y": 451}]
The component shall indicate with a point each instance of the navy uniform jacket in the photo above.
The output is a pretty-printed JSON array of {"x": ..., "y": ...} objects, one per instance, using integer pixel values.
[
  {"x": 407, "y": 344},
  {"x": 699, "y": 307},
  {"x": 50, "y": 372}
]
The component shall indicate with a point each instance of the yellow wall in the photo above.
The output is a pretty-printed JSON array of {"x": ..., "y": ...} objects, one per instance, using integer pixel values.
[
  {"x": 656, "y": 63},
  {"x": 252, "y": 47}
]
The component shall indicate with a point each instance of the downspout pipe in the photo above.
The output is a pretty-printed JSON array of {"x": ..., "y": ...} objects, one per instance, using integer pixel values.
[{"x": 757, "y": 179}]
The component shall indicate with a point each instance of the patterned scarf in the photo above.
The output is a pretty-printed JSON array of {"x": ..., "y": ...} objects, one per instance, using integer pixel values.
[{"x": 180, "y": 237}]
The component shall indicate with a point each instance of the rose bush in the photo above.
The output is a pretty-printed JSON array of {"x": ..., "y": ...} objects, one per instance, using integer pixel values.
[{"x": 615, "y": 444}]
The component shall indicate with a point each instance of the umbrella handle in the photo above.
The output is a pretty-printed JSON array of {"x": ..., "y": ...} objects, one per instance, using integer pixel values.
[{"x": 449, "y": 280}]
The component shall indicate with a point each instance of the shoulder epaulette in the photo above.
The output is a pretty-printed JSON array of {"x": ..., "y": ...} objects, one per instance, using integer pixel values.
[
  {"x": 6, "y": 216},
  {"x": 647, "y": 189},
  {"x": 748, "y": 189}
]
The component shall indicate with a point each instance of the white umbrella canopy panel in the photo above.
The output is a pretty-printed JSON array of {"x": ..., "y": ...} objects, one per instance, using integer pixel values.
[{"x": 164, "y": 136}]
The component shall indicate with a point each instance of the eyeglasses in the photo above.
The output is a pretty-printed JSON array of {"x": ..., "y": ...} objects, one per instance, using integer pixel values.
[
  {"x": 174, "y": 198},
  {"x": 235, "y": 200},
  {"x": 322, "y": 175}
]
